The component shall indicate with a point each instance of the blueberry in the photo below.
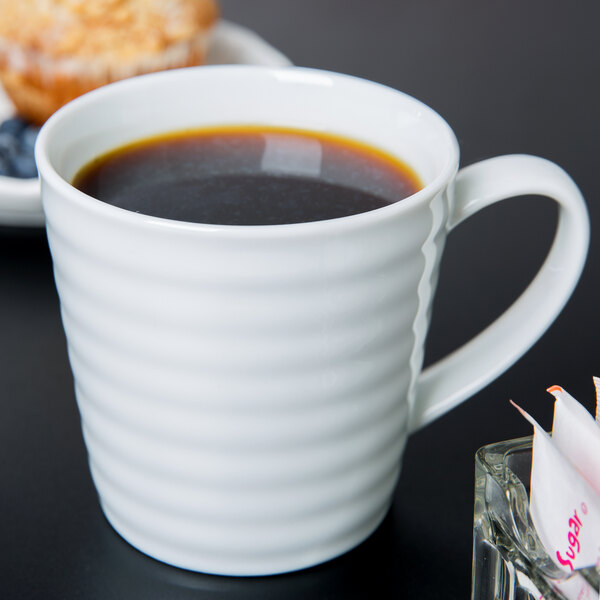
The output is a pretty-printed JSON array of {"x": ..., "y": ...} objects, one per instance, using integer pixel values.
[
  {"x": 14, "y": 126},
  {"x": 5, "y": 167},
  {"x": 28, "y": 137},
  {"x": 9, "y": 145},
  {"x": 17, "y": 142},
  {"x": 23, "y": 165}
]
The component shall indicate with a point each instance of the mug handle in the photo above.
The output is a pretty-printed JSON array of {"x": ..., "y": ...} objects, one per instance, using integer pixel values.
[{"x": 456, "y": 377}]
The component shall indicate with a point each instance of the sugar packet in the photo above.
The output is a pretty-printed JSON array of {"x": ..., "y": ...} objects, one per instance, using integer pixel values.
[
  {"x": 564, "y": 508},
  {"x": 564, "y": 492},
  {"x": 577, "y": 436}
]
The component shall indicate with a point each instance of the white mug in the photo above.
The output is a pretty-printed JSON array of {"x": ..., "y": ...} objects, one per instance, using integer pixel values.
[{"x": 246, "y": 392}]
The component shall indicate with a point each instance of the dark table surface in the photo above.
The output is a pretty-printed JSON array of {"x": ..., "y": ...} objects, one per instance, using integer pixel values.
[{"x": 513, "y": 76}]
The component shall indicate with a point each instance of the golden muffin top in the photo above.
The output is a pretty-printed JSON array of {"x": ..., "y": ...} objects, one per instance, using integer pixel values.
[{"x": 112, "y": 28}]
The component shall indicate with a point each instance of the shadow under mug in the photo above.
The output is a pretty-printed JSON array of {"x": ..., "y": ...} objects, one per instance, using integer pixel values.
[{"x": 246, "y": 392}]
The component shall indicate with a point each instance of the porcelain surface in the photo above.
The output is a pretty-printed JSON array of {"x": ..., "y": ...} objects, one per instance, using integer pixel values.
[{"x": 246, "y": 393}]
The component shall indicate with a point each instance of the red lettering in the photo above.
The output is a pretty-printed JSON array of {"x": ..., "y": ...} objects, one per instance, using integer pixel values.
[
  {"x": 562, "y": 561},
  {"x": 574, "y": 542},
  {"x": 574, "y": 548},
  {"x": 576, "y": 527}
]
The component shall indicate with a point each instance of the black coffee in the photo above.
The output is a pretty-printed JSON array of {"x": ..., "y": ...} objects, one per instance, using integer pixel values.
[{"x": 247, "y": 176}]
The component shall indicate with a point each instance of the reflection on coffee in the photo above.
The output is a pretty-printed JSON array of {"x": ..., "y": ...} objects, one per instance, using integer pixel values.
[{"x": 248, "y": 175}]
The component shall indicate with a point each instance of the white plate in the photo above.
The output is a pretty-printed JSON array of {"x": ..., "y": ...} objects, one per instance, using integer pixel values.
[{"x": 20, "y": 202}]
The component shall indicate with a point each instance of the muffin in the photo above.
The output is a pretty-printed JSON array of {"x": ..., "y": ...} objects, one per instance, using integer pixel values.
[{"x": 52, "y": 51}]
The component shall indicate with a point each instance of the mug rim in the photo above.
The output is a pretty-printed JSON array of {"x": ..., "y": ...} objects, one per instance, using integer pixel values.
[{"x": 307, "y": 75}]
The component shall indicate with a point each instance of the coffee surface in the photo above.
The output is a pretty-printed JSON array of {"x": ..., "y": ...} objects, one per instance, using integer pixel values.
[{"x": 247, "y": 175}]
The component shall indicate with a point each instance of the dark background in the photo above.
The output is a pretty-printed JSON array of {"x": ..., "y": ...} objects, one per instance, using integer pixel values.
[{"x": 510, "y": 77}]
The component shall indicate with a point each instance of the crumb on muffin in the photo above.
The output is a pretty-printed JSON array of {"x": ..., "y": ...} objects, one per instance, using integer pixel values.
[{"x": 54, "y": 50}]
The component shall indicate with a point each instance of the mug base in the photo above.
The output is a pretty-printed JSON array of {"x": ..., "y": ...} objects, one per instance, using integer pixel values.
[{"x": 209, "y": 562}]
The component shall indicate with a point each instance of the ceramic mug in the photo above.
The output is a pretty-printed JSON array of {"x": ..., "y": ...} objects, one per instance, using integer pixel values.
[{"x": 246, "y": 392}]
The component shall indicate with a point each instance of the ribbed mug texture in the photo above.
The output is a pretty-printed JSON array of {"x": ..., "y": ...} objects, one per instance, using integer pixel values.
[
  {"x": 246, "y": 403},
  {"x": 244, "y": 391}
]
